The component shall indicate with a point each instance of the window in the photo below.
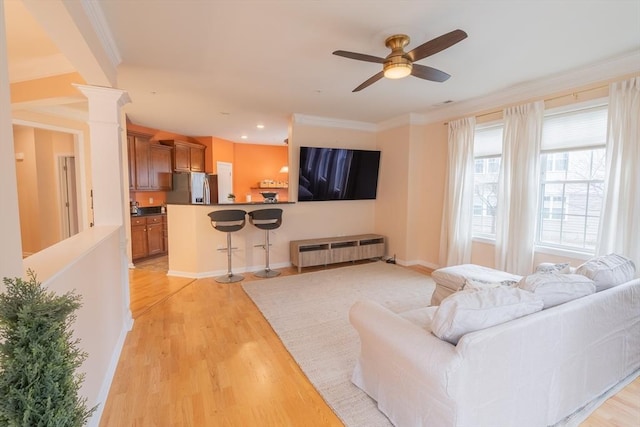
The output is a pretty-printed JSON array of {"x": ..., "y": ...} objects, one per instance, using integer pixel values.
[
  {"x": 557, "y": 162},
  {"x": 487, "y": 147},
  {"x": 572, "y": 178}
]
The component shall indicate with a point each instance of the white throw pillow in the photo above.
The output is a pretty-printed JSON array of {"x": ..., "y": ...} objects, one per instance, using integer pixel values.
[
  {"x": 556, "y": 288},
  {"x": 608, "y": 271},
  {"x": 474, "y": 309},
  {"x": 549, "y": 267}
]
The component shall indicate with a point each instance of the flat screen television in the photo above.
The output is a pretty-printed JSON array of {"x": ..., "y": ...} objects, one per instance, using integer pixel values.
[{"x": 337, "y": 174}]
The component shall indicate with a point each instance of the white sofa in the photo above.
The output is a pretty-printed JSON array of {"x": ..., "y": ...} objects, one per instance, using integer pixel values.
[{"x": 531, "y": 371}]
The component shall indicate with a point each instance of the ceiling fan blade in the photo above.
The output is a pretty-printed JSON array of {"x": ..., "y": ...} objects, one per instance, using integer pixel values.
[
  {"x": 370, "y": 81},
  {"x": 428, "y": 73},
  {"x": 436, "y": 45},
  {"x": 359, "y": 56}
]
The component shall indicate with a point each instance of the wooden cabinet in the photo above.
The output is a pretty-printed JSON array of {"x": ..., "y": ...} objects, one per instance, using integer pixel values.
[
  {"x": 148, "y": 236},
  {"x": 139, "y": 247},
  {"x": 150, "y": 165},
  {"x": 187, "y": 156},
  {"x": 155, "y": 235},
  {"x": 306, "y": 253},
  {"x": 160, "y": 167}
]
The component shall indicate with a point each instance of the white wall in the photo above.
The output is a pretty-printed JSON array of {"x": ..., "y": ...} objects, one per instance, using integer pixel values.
[{"x": 89, "y": 264}]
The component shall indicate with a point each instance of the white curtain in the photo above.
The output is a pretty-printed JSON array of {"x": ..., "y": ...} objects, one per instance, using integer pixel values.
[
  {"x": 516, "y": 216},
  {"x": 620, "y": 220},
  {"x": 457, "y": 212}
]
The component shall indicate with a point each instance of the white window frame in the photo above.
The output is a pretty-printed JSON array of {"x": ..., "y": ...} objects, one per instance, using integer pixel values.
[{"x": 565, "y": 249}]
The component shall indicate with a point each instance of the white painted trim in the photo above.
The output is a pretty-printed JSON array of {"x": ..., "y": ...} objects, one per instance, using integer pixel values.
[
  {"x": 303, "y": 119},
  {"x": 602, "y": 71},
  {"x": 101, "y": 399},
  {"x": 425, "y": 264},
  {"x": 99, "y": 23},
  {"x": 404, "y": 120},
  {"x": 216, "y": 273}
]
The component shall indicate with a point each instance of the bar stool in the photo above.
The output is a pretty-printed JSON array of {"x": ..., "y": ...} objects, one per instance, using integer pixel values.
[
  {"x": 228, "y": 221},
  {"x": 266, "y": 219}
]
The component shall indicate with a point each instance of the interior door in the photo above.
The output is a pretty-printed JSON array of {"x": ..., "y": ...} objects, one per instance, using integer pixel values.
[
  {"x": 225, "y": 181},
  {"x": 68, "y": 196}
]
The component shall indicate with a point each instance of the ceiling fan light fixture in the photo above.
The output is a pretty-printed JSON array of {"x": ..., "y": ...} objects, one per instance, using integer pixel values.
[{"x": 397, "y": 71}]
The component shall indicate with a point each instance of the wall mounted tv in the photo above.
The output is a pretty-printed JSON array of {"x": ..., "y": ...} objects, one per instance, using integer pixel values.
[{"x": 337, "y": 174}]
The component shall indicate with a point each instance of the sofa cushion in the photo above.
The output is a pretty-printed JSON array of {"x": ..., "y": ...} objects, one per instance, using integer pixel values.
[
  {"x": 454, "y": 277},
  {"x": 483, "y": 284},
  {"x": 474, "y": 309},
  {"x": 556, "y": 288},
  {"x": 608, "y": 270},
  {"x": 549, "y": 267}
]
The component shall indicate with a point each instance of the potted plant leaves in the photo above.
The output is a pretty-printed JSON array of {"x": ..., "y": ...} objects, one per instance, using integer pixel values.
[{"x": 39, "y": 357}]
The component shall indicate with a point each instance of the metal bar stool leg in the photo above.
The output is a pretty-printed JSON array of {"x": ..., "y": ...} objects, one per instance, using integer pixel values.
[
  {"x": 229, "y": 277},
  {"x": 267, "y": 272}
]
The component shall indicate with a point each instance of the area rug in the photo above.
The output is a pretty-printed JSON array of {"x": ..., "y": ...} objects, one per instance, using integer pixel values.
[{"x": 309, "y": 312}]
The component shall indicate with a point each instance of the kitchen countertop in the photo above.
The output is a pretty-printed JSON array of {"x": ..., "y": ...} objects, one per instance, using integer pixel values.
[{"x": 234, "y": 204}]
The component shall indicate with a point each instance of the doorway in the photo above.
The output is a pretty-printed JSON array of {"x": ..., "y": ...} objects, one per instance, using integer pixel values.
[
  {"x": 225, "y": 181},
  {"x": 68, "y": 196}
]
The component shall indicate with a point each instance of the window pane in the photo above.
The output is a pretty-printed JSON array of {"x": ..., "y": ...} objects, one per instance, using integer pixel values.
[
  {"x": 485, "y": 197},
  {"x": 571, "y": 200}
]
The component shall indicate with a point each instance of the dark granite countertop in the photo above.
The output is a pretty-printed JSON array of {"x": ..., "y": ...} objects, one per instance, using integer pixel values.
[
  {"x": 148, "y": 211},
  {"x": 234, "y": 204}
]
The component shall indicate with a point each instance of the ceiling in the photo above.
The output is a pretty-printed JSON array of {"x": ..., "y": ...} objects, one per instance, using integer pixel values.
[{"x": 220, "y": 67}]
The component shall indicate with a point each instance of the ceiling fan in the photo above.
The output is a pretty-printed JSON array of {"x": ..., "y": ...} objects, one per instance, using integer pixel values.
[{"x": 399, "y": 64}]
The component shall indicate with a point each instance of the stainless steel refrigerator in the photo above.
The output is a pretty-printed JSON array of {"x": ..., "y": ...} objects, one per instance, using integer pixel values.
[{"x": 197, "y": 188}]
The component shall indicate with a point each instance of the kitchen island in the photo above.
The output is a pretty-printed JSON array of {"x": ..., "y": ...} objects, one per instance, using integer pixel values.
[{"x": 198, "y": 250}]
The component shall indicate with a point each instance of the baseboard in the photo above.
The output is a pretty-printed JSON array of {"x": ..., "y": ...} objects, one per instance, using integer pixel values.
[
  {"x": 216, "y": 273},
  {"x": 94, "y": 421},
  {"x": 425, "y": 264}
]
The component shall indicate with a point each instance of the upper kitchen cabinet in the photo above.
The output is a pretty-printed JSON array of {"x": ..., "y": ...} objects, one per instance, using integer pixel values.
[
  {"x": 149, "y": 164},
  {"x": 187, "y": 156}
]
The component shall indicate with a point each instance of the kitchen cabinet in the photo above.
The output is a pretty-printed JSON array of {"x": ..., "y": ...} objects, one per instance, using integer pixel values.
[
  {"x": 160, "y": 167},
  {"x": 141, "y": 150},
  {"x": 148, "y": 236},
  {"x": 139, "y": 247},
  {"x": 187, "y": 156},
  {"x": 149, "y": 164}
]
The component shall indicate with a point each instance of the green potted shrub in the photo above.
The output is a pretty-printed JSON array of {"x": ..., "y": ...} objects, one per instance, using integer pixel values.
[{"x": 39, "y": 357}]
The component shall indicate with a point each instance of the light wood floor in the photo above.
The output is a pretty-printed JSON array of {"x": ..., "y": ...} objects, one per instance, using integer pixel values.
[{"x": 201, "y": 354}]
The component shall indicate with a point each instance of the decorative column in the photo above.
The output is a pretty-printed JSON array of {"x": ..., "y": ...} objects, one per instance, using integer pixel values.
[
  {"x": 105, "y": 132},
  {"x": 107, "y": 186},
  {"x": 11, "y": 247}
]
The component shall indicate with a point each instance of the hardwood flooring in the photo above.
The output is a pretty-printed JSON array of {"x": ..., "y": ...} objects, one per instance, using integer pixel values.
[{"x": 201, "y": 354}]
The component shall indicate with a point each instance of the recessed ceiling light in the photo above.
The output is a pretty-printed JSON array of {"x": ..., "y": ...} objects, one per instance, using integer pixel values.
[
  {"x": 244, "y": 137},
  {"x": 260, "y": 126}
]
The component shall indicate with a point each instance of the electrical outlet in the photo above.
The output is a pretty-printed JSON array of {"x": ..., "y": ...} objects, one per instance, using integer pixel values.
[{"x": 150, "y": 199}]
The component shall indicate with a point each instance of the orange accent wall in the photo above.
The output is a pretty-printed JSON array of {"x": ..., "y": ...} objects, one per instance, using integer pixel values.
[
  {"x": 252, "y": 164},
  {"x": 222, "y": 152}
]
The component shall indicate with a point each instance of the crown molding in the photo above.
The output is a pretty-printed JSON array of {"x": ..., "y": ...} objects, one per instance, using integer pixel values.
[
  {"x": 411, "y": 119},
  {"x": 307, "y": 120},
  {"x": 99, "y": 23},
  {"x": 604, "y": 71},
  {"x": 607, "y": 70}
]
